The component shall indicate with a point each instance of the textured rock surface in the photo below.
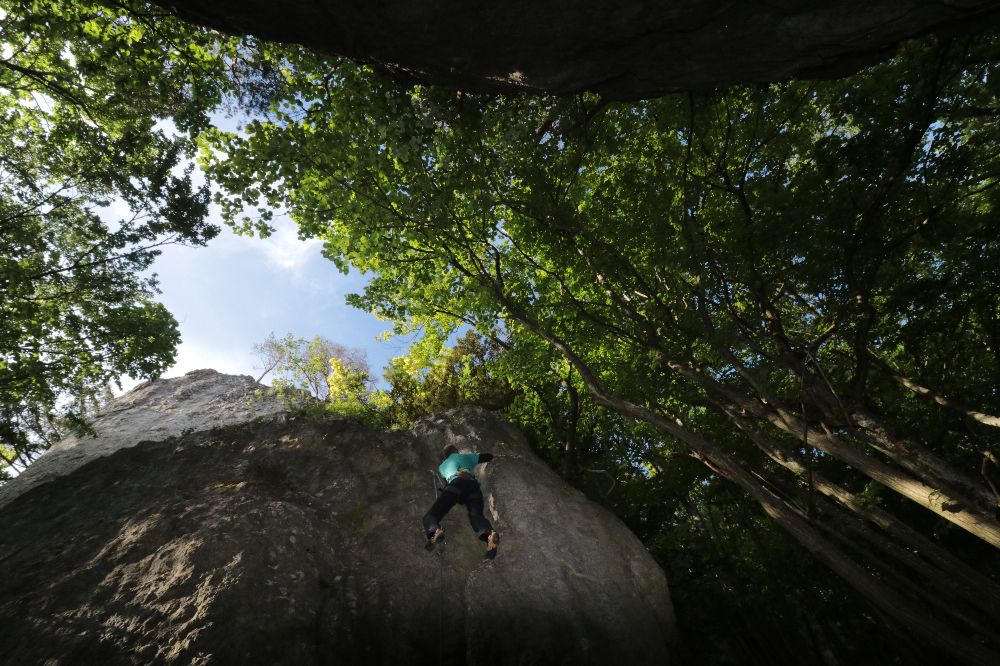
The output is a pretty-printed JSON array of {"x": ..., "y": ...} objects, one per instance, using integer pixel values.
[
  {"x": 624, "y": 49},
  {"x": 153, "y": 411},
  {"x": 297, "y": 541}
]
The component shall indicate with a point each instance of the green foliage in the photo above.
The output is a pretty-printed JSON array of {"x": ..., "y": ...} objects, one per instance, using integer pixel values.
[
  {"x": 460, "y": 376},
  {"x": 351, "y": 394},
  {"x": 301, "y": 365},
  {"x": 98, "y": 104},
  {"x": 421, "y": 382},
  {"x": 335, "y": 376},
  {"x": 735, "y": 267}
]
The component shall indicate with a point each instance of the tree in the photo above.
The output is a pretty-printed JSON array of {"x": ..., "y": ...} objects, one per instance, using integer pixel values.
[
  {"x": 761, "y": 275},
  {"x": 325, "y": 370},
  {"x": 99, "y": 103},
  {"x": 459, "y": 376}
]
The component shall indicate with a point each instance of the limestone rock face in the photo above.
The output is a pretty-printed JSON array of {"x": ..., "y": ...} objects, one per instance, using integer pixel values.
[
  {"x": 625, "y": 49},
  {"x": 290, "y": 540},
  {"x": 154, "y": 411}
]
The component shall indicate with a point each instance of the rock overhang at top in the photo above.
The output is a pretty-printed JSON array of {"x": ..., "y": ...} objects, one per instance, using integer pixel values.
[{"x": 625, "y": 50}]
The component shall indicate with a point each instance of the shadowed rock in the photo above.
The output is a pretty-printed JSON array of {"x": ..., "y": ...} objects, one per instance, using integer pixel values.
[
  {"x": 621, "y": 49},
  {"x": 296, "y": 541}
]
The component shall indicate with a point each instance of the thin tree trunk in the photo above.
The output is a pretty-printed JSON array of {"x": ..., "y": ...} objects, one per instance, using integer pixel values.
[
  {"x": 944, "y": 401},
  {"x": 914, "y": 457},
  {"x": 569, "y": 462},
  {"x": 942, "y": 566},
  {"x": 949, "y": 484},
  {"x": 875, "y": 591},
  {"x": 942, "y": 501},
  {"x": 935, "y": 587}
]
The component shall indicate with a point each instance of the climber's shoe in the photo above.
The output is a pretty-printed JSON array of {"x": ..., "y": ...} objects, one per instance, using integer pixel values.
[
  {"x": 492, "y": 542},
  {"x": 434, "y": 537}
]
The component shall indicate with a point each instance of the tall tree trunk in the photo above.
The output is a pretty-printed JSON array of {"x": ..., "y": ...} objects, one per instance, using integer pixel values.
[
  {"x": 943, "y": 501},
  {"x": 940, "y": 595},
  {"x": 952, "y": 576},
  {"x": 912, "y": 455},
  {"x": 871, "y": 588},
  {"x": 944, "y": 401}
]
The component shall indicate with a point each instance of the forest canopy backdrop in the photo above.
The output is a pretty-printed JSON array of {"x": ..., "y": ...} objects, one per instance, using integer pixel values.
[
  {"x": 781, "y": 298},
  {"x": 795, "y": 283}
]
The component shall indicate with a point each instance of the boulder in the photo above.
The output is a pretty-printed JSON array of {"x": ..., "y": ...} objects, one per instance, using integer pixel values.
[
  {"x": 289, "y": 539},
  {"x": 154, "y": 411},
  {"x": 625, "y": 49}
]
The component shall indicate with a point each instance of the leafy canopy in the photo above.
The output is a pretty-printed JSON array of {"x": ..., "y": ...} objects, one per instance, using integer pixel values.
[
  {"x": 98, "y": 106},
  {"x": 764, "y": 274}
]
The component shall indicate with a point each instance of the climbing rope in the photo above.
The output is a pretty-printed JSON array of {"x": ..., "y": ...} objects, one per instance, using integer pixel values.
[
  {"x": 440, "y": 555},
  {"x": 434, "y": 485},
  {"x": 440, "y": 597}
]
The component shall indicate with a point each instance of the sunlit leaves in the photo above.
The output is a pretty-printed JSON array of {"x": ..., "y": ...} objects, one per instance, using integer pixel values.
[{"x": 98, "y": 102}]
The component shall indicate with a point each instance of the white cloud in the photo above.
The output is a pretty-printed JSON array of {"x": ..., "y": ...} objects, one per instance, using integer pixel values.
[{"x": 285, "y": 250}]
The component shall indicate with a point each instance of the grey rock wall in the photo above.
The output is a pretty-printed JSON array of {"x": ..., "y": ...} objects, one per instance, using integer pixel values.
[
  {"x": 153, "y": 411},
  {"x": 288, "y": 540},
  {"x": 567, "y": 566}
]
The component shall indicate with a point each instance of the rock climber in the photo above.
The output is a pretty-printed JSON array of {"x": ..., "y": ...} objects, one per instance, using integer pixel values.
[{"x": 463, "y": 488}]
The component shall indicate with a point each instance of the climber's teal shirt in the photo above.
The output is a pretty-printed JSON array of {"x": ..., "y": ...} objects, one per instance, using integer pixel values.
[{"x": 458, "y": 461}]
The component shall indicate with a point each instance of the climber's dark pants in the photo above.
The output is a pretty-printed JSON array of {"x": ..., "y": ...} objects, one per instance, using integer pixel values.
[{"x": 463, "y": 491}]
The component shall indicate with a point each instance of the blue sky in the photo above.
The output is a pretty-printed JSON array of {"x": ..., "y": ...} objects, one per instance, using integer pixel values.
[{"x": 232, "y": 293}]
